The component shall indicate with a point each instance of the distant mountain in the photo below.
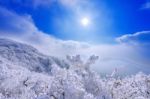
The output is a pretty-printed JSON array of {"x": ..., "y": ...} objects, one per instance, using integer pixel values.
[{"x": 28, "y": 57}]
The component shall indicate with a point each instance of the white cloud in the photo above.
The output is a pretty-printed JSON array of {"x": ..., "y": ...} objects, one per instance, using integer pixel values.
[
  {"x": 69, "y": 2},
  {"x": 29, "y": 3},
  {"x": 37, "y": 3},
  {"x": 22, "y": 28},
  {"x": 11, "y": 23},
  {"x": 45, "y": 3},
  {"x": 139, "y": 38},
  {"x": 146, "y": 5}
]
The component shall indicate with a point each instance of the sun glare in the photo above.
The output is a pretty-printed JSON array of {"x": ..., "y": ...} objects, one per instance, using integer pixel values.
[{"x": 85, "y": 21}]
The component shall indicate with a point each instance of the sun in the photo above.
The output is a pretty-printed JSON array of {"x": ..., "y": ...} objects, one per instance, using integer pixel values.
[{"x": 85, "y": 21}]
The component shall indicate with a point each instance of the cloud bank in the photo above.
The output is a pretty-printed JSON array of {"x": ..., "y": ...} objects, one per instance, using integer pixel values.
[
  {"x": 127, "y": 58},
  {"x": 138, "y": 38}
]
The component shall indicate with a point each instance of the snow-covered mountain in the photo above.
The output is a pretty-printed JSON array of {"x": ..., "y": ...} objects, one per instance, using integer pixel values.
[
  {"x": 25, "y": 73},
  {"x": 27, "y": 56}
]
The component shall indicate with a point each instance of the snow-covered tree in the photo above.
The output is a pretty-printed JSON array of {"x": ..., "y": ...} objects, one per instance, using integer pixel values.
[{"x": 76, "y": 82}]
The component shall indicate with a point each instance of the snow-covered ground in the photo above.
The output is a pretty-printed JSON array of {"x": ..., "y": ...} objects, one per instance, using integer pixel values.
[{"x": 25, "y": 73}]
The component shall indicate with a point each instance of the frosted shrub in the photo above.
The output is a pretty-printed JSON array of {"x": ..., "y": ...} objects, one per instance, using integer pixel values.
[{"x": 77, "y": 82}]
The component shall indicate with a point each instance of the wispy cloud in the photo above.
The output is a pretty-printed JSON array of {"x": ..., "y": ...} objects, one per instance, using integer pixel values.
[
  {"x": 11, "y": 23},
  {"x": 45, "y": 3},
  {"x": 139, "y": 38},
  {"x": 124, "y": 57},
  {"x": 22, "y": 28},
  {"x": 146, "y": 5},
  {"x": 29, "y": 3}
]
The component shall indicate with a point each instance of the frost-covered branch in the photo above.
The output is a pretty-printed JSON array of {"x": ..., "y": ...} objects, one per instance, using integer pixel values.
[{"x": 77, "y": 62}]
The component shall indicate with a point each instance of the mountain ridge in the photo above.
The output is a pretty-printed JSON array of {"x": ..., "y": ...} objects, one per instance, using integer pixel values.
[{"x": 28, "y": 57}]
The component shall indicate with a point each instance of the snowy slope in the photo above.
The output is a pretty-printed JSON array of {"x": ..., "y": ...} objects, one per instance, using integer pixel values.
[
  {"x": 27, "y": 56},
  {"x": 26, "y": 73},
  {"x": 17, "y": 82}
]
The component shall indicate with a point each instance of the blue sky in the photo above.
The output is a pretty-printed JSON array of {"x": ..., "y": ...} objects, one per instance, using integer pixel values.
[
  {"x": 118, "y": 31},
  {"x": 109, "y": 18}
]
